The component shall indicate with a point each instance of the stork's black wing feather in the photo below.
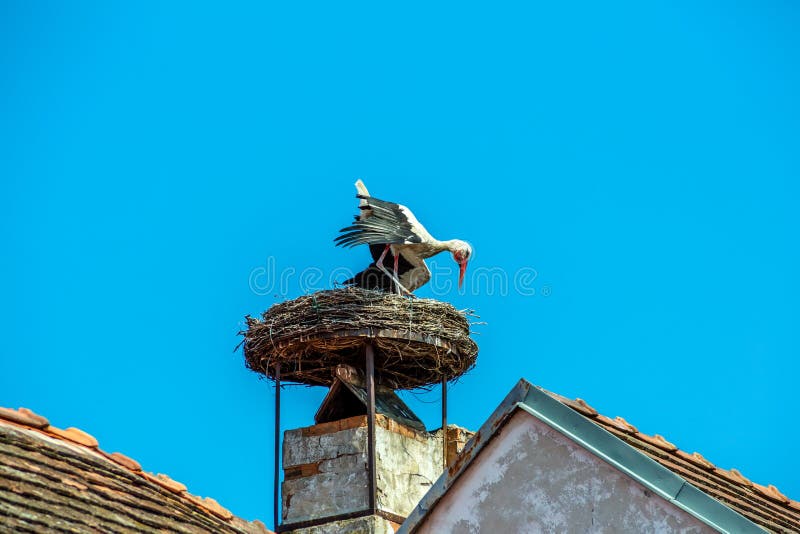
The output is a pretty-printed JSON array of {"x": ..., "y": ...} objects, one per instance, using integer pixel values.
[{"x": 387, "y": 224}]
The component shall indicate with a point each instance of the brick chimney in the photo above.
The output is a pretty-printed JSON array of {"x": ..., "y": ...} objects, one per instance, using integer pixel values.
[{"x": 326, "y": 487}]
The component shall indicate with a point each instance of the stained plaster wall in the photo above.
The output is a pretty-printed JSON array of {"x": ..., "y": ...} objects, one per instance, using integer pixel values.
[
  {"x": 362, "y": 525},
  {"x": 531, "y": 478},
  {"x": 408, "y": 465},
  {"x": 330, "y": 470}
]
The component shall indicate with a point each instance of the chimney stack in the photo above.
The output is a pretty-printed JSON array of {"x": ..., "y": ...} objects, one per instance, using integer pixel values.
[
  {"x": 368, "y": 460},
  {"x": 326, "y": 474}
]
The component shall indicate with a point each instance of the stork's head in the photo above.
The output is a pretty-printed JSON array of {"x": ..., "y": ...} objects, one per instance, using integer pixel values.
[{"x": 461, "y": 253}]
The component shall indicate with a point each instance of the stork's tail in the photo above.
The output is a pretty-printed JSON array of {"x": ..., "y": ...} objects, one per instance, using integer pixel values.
[
  {"x": 362, "y": 192},
  {"x": 361, "y": 188}
]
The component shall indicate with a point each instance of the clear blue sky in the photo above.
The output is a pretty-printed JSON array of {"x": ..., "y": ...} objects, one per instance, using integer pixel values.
[{"x": 642, "y": 159}]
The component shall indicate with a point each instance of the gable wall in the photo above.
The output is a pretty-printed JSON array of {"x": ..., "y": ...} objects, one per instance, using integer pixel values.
[{"x": 531, "y": 478}]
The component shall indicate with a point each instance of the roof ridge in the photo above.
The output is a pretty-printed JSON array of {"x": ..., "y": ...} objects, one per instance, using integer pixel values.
[
  {"x": 25, "y": 418},
  {"x": 769, "y": 493}
]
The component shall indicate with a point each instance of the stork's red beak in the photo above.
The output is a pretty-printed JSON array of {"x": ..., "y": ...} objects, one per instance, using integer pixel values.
[{"x": 462, "y": 268}]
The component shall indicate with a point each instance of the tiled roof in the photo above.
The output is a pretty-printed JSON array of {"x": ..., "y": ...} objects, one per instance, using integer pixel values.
[
  {"x": 53, "y": 479},
  {"x": 764, "y": 505}
]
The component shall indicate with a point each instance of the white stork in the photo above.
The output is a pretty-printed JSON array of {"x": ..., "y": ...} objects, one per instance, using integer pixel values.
[{"x": 386, "y": 226}]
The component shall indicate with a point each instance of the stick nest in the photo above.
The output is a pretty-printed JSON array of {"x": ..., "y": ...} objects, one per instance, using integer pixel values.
[{"x": 417, "y": 342}]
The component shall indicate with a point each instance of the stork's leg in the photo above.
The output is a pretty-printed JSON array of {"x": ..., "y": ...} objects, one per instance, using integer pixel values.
[
  {"x": 396, "y": 277},
  {"x": 401, "y": 290},
  {"x": 387, "y": 272}
]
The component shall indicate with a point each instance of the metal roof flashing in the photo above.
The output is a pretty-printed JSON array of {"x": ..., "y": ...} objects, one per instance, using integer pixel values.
[{"x": 534, "y": 401}]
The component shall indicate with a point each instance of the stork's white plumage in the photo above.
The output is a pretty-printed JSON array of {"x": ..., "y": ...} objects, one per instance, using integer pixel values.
[{"x": 389, "y": 227}]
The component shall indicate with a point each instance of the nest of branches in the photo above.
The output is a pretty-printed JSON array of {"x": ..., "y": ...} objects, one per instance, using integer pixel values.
[{"x": 416, "y": 342}]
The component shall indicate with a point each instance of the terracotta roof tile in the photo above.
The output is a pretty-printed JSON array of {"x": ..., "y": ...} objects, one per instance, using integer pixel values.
[
  {"x": 606, "y": 421},
  {"x": 102, "y": 488},
  {"x": 772, "y": 492},
  {"x": 659, "y": 441},
  {"x": 579, "y": 405},
  {"x": 165, "y": 482},
  {"x": 74, "y": 435},
  {"x": 585, "y": 409},
  {"x": 24, "y": 416},
  {"x": 764, "y": 505},
  {"x": 125, "y": 461},
  {"x": 695, "y": 458},
  {"x": 734, "y": 476},
  {"x": 624, "y": 425},
  {"x": 74, "y": 484},
  {"x": 214, "y": 507}
]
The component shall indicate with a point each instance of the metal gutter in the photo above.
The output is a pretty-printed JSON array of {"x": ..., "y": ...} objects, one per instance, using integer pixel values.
[{"x": 601, "y": 443}]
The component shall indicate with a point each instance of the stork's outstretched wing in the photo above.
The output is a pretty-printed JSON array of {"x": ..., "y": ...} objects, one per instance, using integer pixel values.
[{"x": 387, "y": 223}]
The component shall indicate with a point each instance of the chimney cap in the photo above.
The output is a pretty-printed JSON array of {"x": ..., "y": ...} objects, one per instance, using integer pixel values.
[{"x": 347, "y": 397}]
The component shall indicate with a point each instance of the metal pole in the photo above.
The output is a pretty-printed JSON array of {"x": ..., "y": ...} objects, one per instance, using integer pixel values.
[
  {"x": 372, "y": 474},
  {"x": 277, "y": 477},
  {"x": 444, "y": 422}
]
